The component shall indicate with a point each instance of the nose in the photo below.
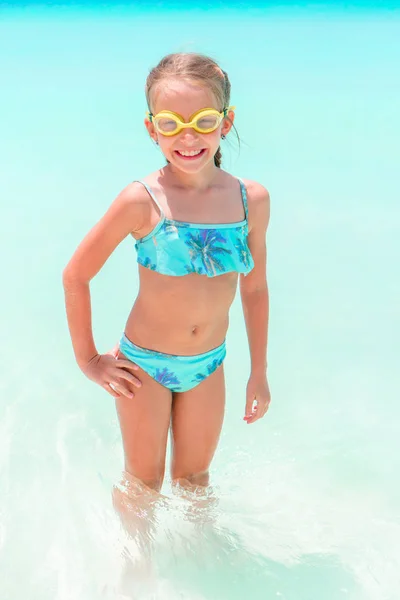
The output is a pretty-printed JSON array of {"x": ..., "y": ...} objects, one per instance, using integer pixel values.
[{"x": 189, "y": 135}]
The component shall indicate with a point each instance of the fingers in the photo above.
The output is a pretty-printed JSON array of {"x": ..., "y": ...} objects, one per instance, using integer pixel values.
[
  {"x": 128, "y": 377},
  {"x": 116, "y": 386},
  {"x": 257, "y": 412},
  {"x": 249, "y": 405},
  {"x": 110, "y": 390},
  {"x": 116, "y": 390},
  {"x": 126, "y": 364},
  {"x": 254, "y": 416}
]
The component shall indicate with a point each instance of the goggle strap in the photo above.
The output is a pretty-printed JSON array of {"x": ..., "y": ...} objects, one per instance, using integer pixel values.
[{"x": 150, "y": 115}]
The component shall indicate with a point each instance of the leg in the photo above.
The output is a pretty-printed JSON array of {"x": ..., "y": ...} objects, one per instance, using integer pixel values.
[
  {"x": 197, "y": 417},
  {"x": 144, "y": 422}
]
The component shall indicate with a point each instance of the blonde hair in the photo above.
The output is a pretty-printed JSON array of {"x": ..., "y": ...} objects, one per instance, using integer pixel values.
[{"x": 194, "y": 67}]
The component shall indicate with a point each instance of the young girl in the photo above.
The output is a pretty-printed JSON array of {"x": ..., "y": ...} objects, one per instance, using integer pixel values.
[{"x": 197, "y": 229}]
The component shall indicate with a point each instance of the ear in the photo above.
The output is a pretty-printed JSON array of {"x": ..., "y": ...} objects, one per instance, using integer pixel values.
[
  {"x": 227, "y": 123},
  {"x": 150, "y": 129}
]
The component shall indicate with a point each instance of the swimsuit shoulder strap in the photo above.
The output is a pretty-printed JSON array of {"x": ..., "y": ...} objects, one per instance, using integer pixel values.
[
  {"x": 244, "y": 197},
  {"x": 152, "y": 195}
]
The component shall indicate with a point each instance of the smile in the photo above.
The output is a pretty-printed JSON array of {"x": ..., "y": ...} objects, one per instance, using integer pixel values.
[{"x": 190, "y": 154}]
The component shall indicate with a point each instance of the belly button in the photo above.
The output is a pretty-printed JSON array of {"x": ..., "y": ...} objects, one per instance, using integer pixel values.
[{"x": 194, "y": 329}]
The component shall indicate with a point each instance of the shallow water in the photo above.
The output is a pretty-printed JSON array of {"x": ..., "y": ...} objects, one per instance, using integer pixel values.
[{"x": 308, "y": 499}]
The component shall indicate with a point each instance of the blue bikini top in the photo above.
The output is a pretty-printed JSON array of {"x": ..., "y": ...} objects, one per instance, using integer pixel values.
[{"x": 178, "y": 248}]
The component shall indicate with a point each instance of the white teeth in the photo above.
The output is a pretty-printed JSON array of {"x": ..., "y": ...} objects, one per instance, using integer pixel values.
[{"x": 191, "y": 153}]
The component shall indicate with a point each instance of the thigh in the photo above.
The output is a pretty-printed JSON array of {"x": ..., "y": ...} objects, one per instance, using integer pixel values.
[
  {"x": 197, "y": 417},
  {"x": 144, "y": 421}
]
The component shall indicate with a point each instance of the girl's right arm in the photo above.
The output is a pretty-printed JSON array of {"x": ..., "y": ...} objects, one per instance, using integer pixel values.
[{"x": 125, "y": 215}]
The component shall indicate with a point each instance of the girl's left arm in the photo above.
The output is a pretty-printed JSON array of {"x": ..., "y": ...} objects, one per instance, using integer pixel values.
[{"x": 255, "y": 302}]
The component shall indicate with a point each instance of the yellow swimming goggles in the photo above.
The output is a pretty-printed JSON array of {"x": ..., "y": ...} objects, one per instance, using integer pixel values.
[{"x": 205, "y": 120}]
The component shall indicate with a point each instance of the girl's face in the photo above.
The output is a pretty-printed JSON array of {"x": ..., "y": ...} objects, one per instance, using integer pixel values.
[{"x": 185, "y": 98}]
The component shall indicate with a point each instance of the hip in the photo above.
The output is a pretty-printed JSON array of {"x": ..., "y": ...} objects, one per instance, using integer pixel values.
[{"x": 179, "y": 373}]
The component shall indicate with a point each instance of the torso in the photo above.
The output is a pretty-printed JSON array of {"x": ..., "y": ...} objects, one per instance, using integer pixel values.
[{"x": 188, "y": 314}]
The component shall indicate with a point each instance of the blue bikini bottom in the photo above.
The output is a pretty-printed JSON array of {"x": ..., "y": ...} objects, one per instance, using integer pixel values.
[{"x": 177, "y": 373}]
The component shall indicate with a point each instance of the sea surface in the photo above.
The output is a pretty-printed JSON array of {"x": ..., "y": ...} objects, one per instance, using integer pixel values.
[{"x": 308, "y": 498}]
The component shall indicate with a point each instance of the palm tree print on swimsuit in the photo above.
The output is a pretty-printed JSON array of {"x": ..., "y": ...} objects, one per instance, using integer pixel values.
[
  {"x": 171, "y": 227},
  {"x": 193, "y": 269},
  {"x": 203, "y": 245},
  {"x": 210, "y": 369},
  {"x": 167, "y": 378},
  {"x": 243, "y": 252},
  {"x": 146, "y": 262}
]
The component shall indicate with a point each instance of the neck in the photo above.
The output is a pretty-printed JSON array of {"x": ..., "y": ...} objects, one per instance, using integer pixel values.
[{"x": 193, "y": 181}]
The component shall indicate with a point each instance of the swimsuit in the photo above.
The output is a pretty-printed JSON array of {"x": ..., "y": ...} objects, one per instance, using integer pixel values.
[
  {"x": 177, "y": 373},
  {"x": 177, "y": 248}
]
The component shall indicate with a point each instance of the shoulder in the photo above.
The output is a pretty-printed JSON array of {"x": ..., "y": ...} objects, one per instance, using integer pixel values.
[
  {"x": 259, "y": 203},
  {"x": 256, "y": 192},
  {"x": 132, "y": 202},
  {"x": 129, "y": 210},
  {"x": 134, "y": 194}
]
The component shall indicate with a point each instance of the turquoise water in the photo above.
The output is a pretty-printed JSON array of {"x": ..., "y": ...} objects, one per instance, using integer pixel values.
[{"x": 309, "y": 497}]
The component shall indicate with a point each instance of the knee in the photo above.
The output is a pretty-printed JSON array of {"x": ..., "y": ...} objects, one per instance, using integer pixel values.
[
  {"x": 131, "y": 487},
  {"x": 202, "y": 478},
  {"x": 134, "y": 502},
  {"x": 191, "y": 480},
  {"x": 154, "y": 484},
  {"x": 150, "y": 477}
]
